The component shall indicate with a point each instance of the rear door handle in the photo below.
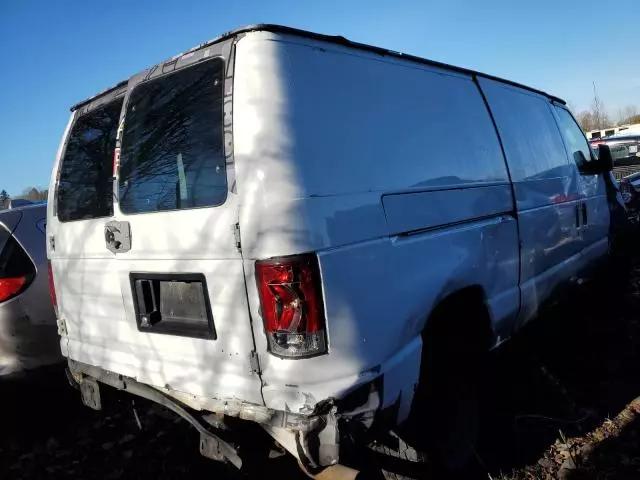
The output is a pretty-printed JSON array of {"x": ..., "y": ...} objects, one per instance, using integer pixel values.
[{"x": 117, "y": 236}]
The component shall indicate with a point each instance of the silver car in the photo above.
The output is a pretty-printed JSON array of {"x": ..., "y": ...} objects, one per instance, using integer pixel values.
[{"x": 28, "y": 332}]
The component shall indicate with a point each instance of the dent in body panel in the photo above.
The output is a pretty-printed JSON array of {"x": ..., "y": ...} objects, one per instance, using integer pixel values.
[
  {"x": 438, "y": 263},
  {"x": 378, "y": 295}
]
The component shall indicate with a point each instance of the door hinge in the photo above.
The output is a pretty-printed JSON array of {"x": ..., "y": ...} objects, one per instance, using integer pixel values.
[
  {"x": 236, "y": 236},
  {"x": 254, "y": 363}
]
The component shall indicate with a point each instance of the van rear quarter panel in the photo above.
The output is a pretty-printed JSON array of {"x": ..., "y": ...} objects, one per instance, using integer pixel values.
[{"x": 393, "y": 173}]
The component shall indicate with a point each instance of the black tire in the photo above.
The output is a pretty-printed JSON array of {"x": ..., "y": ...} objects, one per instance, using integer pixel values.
[
  {"x": 439, "y": 438},
  {"x": 449, "y": 402},
  {"x": 398, "y": 460}
]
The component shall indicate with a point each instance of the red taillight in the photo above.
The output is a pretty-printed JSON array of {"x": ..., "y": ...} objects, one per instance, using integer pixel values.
[
  {"x": 52, "y": 287},
  {"x": 291, "y": 305},
  {"x": 10, "y": 287}
]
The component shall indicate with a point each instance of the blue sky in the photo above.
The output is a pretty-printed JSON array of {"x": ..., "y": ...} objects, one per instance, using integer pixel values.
[{"x": 57, "y": 53}]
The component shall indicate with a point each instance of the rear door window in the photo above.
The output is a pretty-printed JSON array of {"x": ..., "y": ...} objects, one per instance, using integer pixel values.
[
  {"x": 172, "y": 153},
  {"x": 85, "y": 186}
]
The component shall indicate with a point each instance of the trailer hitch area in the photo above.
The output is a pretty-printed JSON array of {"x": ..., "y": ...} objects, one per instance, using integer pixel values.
[
  {"x": 211, "y": 446},
  {"x": 90, "y": 393}
]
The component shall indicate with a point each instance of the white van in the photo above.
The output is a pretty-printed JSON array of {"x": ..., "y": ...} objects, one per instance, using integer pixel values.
[{"x": 287, "y": 227}]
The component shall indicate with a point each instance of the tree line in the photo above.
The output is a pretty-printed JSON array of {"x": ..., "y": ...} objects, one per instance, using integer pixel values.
[
  {"x": 32, "y": 194},
  {"x": 598, "y": 118}
]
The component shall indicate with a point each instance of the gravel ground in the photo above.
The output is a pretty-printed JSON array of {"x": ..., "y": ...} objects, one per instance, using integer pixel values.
[
  {"x": 581, "y": 419},
  {"x": 565, "y": 408}
]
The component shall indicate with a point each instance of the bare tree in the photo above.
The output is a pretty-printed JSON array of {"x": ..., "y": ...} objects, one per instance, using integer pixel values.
[
  {"x": 599, "y": 112},
  {"x": 633, "y": 119},
  {"x": 34, "y": 194},
  {"x": 585, "y": 119},
  {"x": 596, "y": 118},
  {"x": 628, "y": 114}
]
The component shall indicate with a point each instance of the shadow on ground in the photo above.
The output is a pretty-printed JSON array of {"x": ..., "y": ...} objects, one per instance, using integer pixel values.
[
  {"x": 564, "y": 377},
  {"x": 47, "y": 433}
]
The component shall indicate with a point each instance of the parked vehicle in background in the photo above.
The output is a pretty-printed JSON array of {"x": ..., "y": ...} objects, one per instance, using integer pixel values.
[
  {"x": 273, "y": 227},
  {"x": 630, "y": 190},
  {"x": 625, "y": 150},
  {"x": 17, "y": 202},
  {"x": 28, "y": 331},
  {"x": 626, "y": 129}
]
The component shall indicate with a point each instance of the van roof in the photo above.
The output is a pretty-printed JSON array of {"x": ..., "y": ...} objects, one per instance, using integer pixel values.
[{"x": 336, "y": 39}]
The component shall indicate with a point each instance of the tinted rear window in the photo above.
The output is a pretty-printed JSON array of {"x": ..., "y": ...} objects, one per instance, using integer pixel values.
[
  {"x": 4, "y": 236},
  {"x": 85, "y": 188},
  {"x": 14, "y": 261},
  {"x": 172, "y": 153}
]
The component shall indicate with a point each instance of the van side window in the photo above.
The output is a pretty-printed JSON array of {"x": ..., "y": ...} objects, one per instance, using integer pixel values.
[
  {"x": 172, "y": 153},
  {"x": 573, "y": 137},
  {"x": 529, "y": 133},
  {"x": 85, "y": 186}
]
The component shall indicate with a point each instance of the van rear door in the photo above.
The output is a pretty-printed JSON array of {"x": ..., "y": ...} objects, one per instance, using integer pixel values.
[
  {"x": 80, "y": 203},
  {"x": 178, "y": 315}
]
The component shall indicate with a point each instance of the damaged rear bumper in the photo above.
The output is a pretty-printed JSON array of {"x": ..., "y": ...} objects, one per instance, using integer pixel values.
[
  {"x": 281, "y": 425},
  {"x": 383, "y": 394}
]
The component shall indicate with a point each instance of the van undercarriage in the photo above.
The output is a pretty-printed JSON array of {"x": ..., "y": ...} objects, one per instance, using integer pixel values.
[{"x": 314, "y": 439}]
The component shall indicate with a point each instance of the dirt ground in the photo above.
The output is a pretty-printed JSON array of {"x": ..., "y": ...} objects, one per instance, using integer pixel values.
[{"x": 565, "y": 408}]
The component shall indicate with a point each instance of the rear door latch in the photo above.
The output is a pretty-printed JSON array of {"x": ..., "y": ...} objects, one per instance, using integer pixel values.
[{"x": 117, "y": 236}]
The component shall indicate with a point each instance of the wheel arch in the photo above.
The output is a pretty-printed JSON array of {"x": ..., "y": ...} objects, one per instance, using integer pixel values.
[{"x": 471, "y": 306}]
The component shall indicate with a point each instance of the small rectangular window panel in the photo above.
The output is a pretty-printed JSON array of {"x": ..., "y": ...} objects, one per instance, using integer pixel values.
[
  {"x": 85, "y": 185},
  {"x": 172, "y": 155},
  {"x": 172, "y": 304}
]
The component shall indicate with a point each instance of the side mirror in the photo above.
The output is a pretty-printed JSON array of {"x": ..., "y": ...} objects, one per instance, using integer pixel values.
[
  {"x": 602, "y": 164},
  {"x": 605, "y": 159}
]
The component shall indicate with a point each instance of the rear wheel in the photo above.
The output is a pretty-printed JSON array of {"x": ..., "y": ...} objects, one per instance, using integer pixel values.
[
  {"x": 447, "y": 410},
  {"x": 397, "y": 459},
  {"x": 450, "y": 398}
]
